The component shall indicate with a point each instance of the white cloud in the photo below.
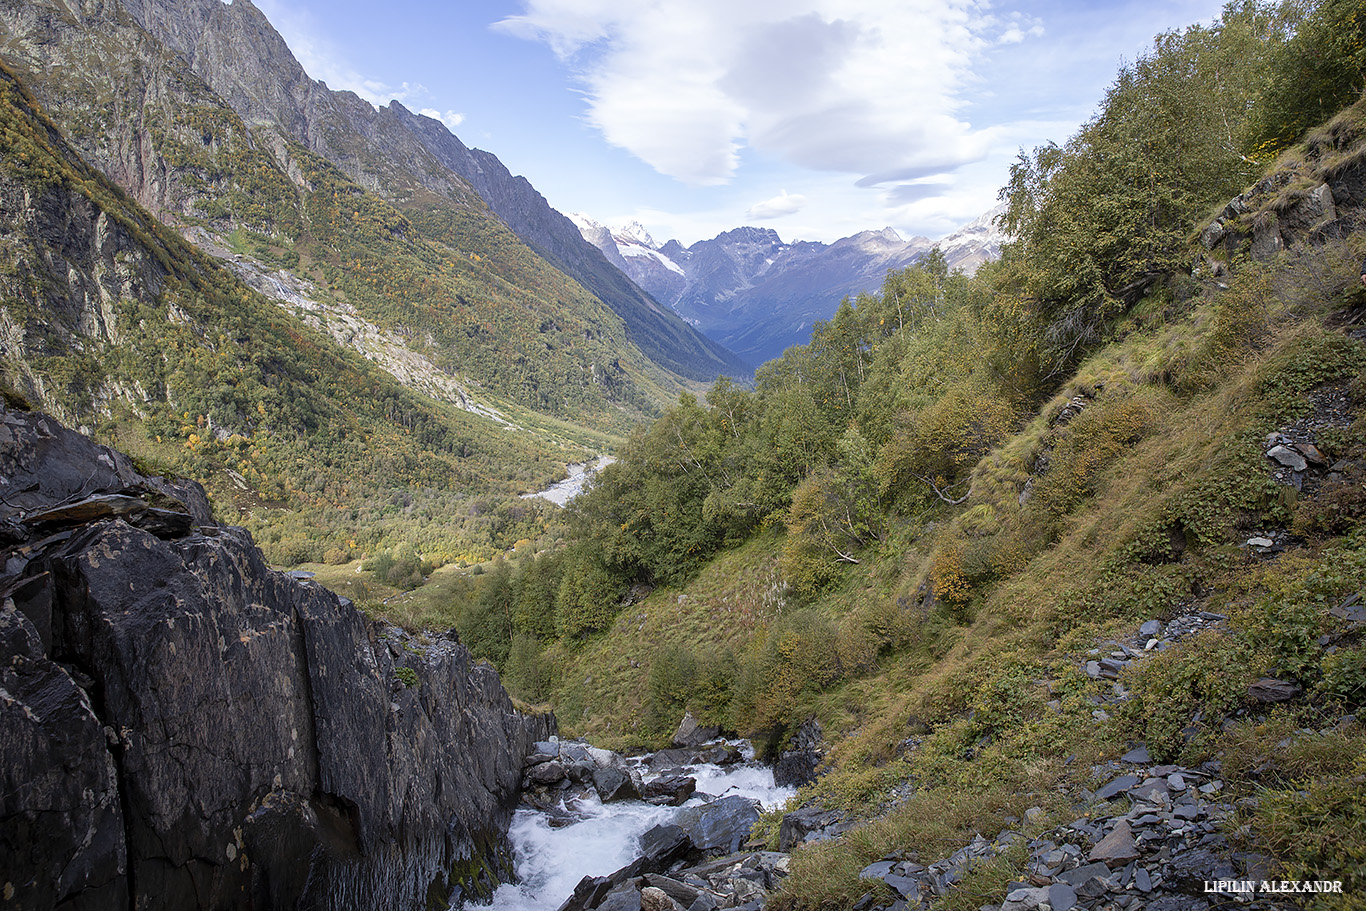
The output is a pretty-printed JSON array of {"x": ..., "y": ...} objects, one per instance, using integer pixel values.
[
  {"x": 865, "y": 87},
  {"x": 1017, "y": 27},
  {"x": 784, "y": 203},
  {"x": 451, "y": 119}
]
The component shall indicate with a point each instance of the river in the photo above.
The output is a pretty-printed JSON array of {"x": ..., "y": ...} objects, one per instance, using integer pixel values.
[
  {"x": 550, "y": 861},
  {"x": 580, "y": 473}
]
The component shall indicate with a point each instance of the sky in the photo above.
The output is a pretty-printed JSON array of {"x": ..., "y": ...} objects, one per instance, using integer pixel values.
[{"x": 817, "y": 118}]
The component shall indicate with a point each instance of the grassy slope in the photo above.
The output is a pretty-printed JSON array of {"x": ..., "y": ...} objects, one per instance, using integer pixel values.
[
  {"x": 1170, "y": 448},
  {"x": 443, "y": 273}
]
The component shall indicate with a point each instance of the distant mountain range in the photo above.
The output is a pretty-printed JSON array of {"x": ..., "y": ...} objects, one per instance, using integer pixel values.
[
  {"x": 201, "y": 113},
  {"x": 757, "y": 295}
]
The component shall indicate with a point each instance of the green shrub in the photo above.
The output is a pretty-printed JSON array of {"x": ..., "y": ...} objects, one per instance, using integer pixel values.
[
  {"x": 1344, "y": 677},
  {"x": 798, "y": 658},
  {"x": 403, "y": 568},
  {"x": 1286, "y": 630},
  {"x": 588, "y": 596},
  {"x": 1314, "y": 832},
  {"x": 942, "y": 441},
  {"x": 672, "y": 675},
  {"x": 528, "y": 673},
  {"x": 1080, "y": 451},
  {"x": 1181, "y": 695}
]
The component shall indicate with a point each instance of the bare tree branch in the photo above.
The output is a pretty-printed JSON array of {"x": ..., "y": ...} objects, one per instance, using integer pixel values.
[{"x": 943, "y": 496}]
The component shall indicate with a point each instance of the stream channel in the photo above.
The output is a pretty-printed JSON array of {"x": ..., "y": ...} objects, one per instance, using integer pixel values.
[
  {"x": 580, "y": 473},
  {"x": 550, "y": 860}
]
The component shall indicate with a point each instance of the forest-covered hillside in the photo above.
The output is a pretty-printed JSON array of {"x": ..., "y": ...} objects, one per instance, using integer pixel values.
[
  {"x": 488, "y": 368},
  {"x": 988, "y": 532},
  {"x": 930, "y": 528},
  {"x": 112, "y": 321}
]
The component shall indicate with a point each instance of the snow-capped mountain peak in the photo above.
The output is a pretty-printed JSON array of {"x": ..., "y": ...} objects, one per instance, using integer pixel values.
[
  {"x": 976, "y": 242},
  {"x": 634, "y": 232},
  {"x": 749, "y": 290}
]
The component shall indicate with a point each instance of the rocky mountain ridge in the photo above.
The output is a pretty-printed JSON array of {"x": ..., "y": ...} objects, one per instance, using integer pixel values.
[
  {"x": 201, "y": 114},
  {"x": 399, "y": 154},
  {"x": 758, "y": 295},
  {"x": 184, "y": 727},
  {"x": 117, "y": 325}
]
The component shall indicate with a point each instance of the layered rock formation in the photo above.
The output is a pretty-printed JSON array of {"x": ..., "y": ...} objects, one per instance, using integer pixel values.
[{"x": 181, "y": 727}]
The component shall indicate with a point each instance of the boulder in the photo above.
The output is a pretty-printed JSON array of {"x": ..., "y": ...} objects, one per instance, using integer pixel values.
[
  {"x": 665, "y": 760},
  {"x": 681, "y": 892},
  {"x": 1026, "y": 898},
  {"x": 721, "y": 754},
  {"x": 796, "y": 766},
  {"x": 624, "y": 898},
  {"x": 546, "y": 774},
  {"x": 1271, "y": 690},
  {"x": 805, "y": 824},
  {"x": 690, "y": 735},
  {"x": 1211, "y": 235},
  {"x": 672, "y": 790},
  {"x": 661, "y": 846},
  {"x": 1062, "y": 897},
  {"x": 1083, "y": 874},
  {"x": 253, "y": 741},
  {"x": 1138, "y": 755},
  {"x": 614, "y": 784},
  {"x": 739, "y": 877},
  {"x": 588, "y": 893},
  {"x": 655, "y": 899},
  {"x": 1116, "y": 849},
  {"x": 722, "y": 826},
  {"x": 1288, "y": 457},
  {"x": 543, "y": 751},
  {"x": 1116, "y": 787}
]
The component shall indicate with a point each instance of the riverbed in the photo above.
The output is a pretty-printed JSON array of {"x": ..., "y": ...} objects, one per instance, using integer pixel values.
[{"x": 580, "y": 474}]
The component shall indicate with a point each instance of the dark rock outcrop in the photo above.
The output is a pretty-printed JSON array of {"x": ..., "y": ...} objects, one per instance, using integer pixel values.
[
  {"x": 694, "y": 880},
  {"x": 797, "y": 764},
  {"x": 185, "y": 728},
  {"x": 557, "y": 772},
  {"x": 722, "y": 826},
  {"x": 691, "y": 735},
  {"x": 671, "y": 790}
]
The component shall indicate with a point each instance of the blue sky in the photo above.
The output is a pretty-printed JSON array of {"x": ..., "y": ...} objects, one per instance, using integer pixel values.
[{"x": 817, "y": 118}]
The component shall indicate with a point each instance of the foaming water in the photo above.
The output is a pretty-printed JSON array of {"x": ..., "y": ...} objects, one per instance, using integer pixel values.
[
  {"x": 551, "y": 861},
  {"x": 753, "y": 781}
]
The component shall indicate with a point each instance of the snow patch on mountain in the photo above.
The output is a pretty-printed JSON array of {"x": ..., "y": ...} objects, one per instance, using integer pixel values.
[
  {"x": 976, "y": 242},
  {"x": 757, "y": 294},
  {"x": 634, "y": 232}
]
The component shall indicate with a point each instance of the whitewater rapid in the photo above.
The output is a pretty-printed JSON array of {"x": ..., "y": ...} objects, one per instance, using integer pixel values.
[{"x": 550, "y": 861}]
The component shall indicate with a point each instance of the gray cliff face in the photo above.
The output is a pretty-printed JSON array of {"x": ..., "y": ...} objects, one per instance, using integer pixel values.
[
  {"x": 234, "y": 49},
  {"x": 131, "y": 107},
  {"x": 181, "y": 727}
]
